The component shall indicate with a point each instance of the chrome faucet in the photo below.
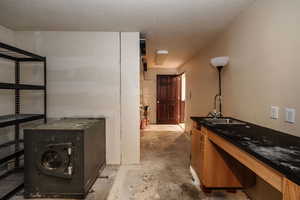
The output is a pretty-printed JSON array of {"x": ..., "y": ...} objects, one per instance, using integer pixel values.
[{"x": 214, "y": 113}]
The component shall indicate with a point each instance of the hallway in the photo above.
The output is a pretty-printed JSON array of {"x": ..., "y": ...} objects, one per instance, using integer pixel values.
[{"x": 164, "y": 170}]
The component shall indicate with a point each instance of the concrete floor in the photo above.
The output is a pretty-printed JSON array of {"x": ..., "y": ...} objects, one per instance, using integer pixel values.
[
  {"x": 100, "y": 189},
  {"x": 164, "y": 170},
  {"x": 162, "y": 175}
]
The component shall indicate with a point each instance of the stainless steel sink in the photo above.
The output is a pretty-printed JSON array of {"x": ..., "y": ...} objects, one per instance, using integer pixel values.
[{"x": 224, "y": 121}]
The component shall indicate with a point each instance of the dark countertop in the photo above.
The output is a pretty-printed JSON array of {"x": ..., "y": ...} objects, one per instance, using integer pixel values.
[{"x": 279, "y": 150}]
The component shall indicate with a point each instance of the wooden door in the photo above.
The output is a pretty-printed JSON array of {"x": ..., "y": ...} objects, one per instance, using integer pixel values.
[{"x": 168, "y": 99}]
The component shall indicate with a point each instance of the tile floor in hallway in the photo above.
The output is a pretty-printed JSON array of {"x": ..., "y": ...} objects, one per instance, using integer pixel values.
[{"x": 164, "y": 170}]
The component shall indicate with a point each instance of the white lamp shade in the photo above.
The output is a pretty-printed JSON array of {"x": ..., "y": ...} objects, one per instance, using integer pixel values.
[{"x": 219, "y": 61}]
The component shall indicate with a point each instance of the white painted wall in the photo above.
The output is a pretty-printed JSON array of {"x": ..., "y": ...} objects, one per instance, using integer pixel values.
[
  {"x": 7, "y": 35},
  {"x": 84, "y": 79},
  {"x": 130, "y": 98}
]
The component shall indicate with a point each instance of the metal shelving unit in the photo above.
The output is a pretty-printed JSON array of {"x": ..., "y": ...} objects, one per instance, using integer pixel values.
[{"x": 12, "y": 181}]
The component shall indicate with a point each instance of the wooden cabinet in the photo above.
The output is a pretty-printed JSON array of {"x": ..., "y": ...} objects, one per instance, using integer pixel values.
[
  {"x": 291, "y": 191},
  {"x": 220, "y": 164},
  {"x": 197, "y": 152},
  {"x": 214, "y": 167}
]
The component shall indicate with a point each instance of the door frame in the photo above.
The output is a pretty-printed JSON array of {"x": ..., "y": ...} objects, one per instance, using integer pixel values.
[{"x": 182, "y": 102}]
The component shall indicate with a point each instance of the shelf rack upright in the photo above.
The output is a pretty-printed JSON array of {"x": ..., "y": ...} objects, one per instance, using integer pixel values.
[{"x": 18, "y": 56}]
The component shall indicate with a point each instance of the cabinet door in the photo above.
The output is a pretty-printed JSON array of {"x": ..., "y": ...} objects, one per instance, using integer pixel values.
[
  {"x": 197, "y": 152},
  {"x": 201, "y": 155}
]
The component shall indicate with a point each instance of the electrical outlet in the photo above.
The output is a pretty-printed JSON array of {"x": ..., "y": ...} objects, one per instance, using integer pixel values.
[
  {"x": 274, "y": 112},
  {"x": 290, "y": 115}
]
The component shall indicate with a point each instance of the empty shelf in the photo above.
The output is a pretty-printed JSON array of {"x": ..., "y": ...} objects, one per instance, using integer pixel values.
[
  {"x": 10, "y": 183},
  {"x": 13, "y": 53},
  {"x": 8, "y": 120},
  {"x": 10, "y": 156},
  {"x": 10, "y": 143},
  {"x": 12, "y": 86}
]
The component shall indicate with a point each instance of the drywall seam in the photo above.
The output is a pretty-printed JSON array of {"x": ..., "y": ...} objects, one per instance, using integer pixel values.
[{"x": 120, "y": 65}]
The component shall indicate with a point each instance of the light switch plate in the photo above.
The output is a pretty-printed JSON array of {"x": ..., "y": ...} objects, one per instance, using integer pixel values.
[
  {"x": 274, "y": 112},
  {"x": 290, "y": 115}
]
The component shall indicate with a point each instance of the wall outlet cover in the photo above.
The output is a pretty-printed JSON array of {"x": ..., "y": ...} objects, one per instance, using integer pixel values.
[
  {"x": 274, "y": 112},
  {"x": 290, "y": 115}
]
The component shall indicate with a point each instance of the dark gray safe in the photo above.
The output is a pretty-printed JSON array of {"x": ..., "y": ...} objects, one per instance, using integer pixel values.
[{"x": 63, "y": 158}]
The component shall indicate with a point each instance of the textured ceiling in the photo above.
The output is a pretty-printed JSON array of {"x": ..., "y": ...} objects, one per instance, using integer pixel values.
[{"x": 180, "y": 26}]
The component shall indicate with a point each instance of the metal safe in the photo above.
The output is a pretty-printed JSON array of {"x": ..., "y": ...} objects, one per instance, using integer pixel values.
[{"x": 63, "y": 158}]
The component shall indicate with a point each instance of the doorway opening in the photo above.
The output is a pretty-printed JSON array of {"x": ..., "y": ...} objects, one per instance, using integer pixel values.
[
  {"x": 182, "y": 100},
  {"x": 170, "y": 99}
]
